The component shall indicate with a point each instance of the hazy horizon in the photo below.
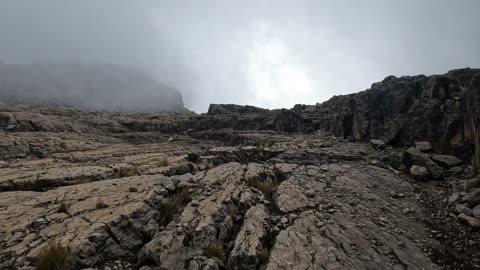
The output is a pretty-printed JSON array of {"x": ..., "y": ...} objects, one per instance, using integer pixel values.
[{"x": 270, "y": 54}]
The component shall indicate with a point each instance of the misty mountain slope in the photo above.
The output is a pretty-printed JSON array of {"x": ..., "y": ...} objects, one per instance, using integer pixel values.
[{"x": 86, "y": 86}]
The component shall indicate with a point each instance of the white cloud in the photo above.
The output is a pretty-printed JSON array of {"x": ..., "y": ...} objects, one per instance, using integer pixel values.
[{"x": 273, "y": 74}]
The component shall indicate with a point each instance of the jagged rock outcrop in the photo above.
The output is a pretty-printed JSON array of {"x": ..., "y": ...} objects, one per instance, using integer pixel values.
[{"x": 441, "y": 109}]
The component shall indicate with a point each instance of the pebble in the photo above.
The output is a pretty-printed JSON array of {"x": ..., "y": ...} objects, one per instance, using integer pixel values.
[
  {"x": 476, "y": 211},
  {"x": 462, "y": 209}
]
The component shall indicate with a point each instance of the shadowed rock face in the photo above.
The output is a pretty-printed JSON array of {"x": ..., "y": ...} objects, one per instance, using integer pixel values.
[{"x": 441, "y": 109}]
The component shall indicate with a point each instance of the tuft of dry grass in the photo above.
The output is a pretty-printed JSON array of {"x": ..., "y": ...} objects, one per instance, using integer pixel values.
[
  {"x": 100, "y": 204},
  {"x": 232, "y": 209},
  {"x": 169, "y": 208},
  {"x": 263, "y": 256},
  {"x": 54, "y": 257},
  {"x": 215, "y": 250},
  {"x": 63, "y": 208},
  {"x": 129, "y": 172},
  {"x": 266, "y": 187},
  {"x": 208, "y": 164},
  {"x": 164, "y": 162}
]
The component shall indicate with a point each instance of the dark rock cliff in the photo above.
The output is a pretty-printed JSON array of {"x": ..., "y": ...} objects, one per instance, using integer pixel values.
[{"x": 441, "y": 109}]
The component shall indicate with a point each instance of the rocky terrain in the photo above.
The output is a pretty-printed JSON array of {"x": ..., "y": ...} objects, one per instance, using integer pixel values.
[{"x": 381, "y": 179}]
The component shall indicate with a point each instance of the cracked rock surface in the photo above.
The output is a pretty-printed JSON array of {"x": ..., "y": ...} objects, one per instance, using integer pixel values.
[{"x": 127, "y": 196}]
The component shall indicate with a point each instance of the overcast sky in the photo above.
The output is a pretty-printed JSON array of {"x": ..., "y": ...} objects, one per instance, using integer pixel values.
[{"x": 266, "y": 53}]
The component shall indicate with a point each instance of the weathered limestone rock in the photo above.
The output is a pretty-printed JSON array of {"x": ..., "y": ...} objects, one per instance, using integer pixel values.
[
  {"x": 248, "y": 243},
  {"x": 202, "y": 221},
  {"x": 30, "y": 220},
  {"x": 45, "y": 179}
]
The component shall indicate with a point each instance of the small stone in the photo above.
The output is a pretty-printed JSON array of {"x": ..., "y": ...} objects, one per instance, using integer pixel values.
[
  {"x": 194, "y": 203},
  {"x": 473, "y": 198},
  {"x": 462, "y": 209},
  {"x": 284, "y": 220},
  {"x": 310, "y": 193},
  {"x": 168, "y": 184},
  {"x": 292, "y": 217},
  {"x": 378, "y": 144},
  {"x": 446, "y": 161},
  {"x": 419, "y": 173},
  {"x": 476, "y": 211},
  {"x": 188, "y": 185},
  {"x": 188, "y": 178},
  {"x": 38, "y": 223},
  {"x": 471, "y": 221},
  {"x": 331, "y": 210},
  {"x": 423, "y": 146},
  {"x": 472, "y": 183},
  {"x": 453, "y": 198}
]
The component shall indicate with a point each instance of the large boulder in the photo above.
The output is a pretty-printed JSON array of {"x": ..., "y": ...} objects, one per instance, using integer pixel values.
[
  {"x": 446, "y": 161},
  {"x": 414, "y": 157}
]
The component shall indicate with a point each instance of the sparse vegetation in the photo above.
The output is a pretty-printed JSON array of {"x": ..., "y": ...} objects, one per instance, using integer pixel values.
[
  {"x": 63, "y": 208},
  {"x": 263, "y": 147},
  {"x": 169, "y": 208},
  {"x": 164, "y": 162},
  {"x": 232, "y": 209},
  {"x": 266, "y": 187},
  {"x": 100, "y": 204},
  {"x": 208, "y": 164},
  {"x": 54, "y": 257},
  {"x": 263, "y": 256},
  {"x": 128, "y": 172},
  {"x": 215, "y": 249}
]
